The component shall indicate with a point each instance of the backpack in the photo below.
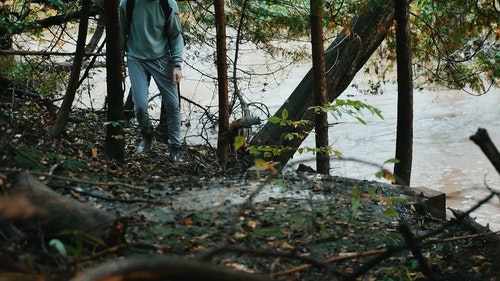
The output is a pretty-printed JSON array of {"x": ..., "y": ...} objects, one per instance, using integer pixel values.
[{"x": 130, "y": 10}]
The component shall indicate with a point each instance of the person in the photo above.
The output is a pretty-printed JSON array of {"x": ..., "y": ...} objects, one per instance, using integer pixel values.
[{"x": 154, "y": 47}]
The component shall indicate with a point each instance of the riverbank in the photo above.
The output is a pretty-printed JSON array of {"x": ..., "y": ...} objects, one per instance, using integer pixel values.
[{"x": 295, "y": 226}]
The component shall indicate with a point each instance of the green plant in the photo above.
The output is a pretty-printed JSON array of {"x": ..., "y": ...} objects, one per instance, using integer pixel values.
[
  {"x": 339, "y": 108},
  {"x": 77, "y": 241},
  {"x": 352, "y": 108},
  {"x": 389, "y": 202}
]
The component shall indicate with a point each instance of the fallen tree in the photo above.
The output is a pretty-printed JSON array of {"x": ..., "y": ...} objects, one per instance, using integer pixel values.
[
  {"x": 164, "y": 268},
  {"x": 343, "y": 59},
  {"x": 29, "y": 208}
]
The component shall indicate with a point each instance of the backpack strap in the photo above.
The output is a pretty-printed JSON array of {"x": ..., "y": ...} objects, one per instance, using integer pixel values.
[
  {"x": 130, "y": 12},
  {"x": 166, "y": 8}
]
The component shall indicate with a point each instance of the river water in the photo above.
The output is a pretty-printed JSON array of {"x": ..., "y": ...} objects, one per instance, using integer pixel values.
[{"x": 444, "y": 158}]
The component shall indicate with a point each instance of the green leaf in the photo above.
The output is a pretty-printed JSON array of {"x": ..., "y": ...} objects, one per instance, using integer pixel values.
[
  {"x": 239, "y": 142},
  {"x": 59, "y": 246},
  {"x": 271, "y": 231},
  {"x": 355, "y": 198},
  {"x": 274, "y": 119},
  {"x": 390, "y": 213},
  {"x": 355, "y": 203},
  {"x": 284, "y": 114},
  {"x": 372, "y": 192},
  {"x": 392, "y": 160},
  {"x": 360, "y": 120}
]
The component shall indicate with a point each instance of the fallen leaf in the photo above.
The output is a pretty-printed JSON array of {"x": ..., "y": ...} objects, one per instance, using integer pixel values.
[
  {"x": 253, "y": 224},
  {"x": 286, "y": 245}
]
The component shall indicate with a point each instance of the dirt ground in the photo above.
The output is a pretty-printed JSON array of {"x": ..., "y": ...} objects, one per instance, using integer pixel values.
[{"x": 296, "y": 226}]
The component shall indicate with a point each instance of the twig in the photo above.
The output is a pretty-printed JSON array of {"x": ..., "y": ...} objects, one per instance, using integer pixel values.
[
  {"x": 463, "y": 237},
  {"x": 114, "y": 199},
  {"x": 331, "y": 260},
  {"x": 98, "y": 254},
  {"x": 88, "y": 182},
  {"x": 377, "y": 260},
  {"x": 415, "y": 249}
]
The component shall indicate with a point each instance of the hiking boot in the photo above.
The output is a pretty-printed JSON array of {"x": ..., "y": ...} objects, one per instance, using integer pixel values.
[
  {"x": 176, "y": 155},
  {"x": 145, "y": 145},
  {"x": 147, "y": 139}
]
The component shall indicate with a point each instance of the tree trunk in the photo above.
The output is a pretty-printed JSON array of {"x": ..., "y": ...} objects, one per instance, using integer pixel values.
[
  {"x": 115, "y": 141},
  {"x": 321, "y": 118},
  {"x": 162, "y": 267},
  {"x": 483, "y": 140},
  {"x": 97, "y": 36},
  {"x": 62, "y": 116},
  {"x": 404, "y": 137},
  {"x": 35, "y": 209},
  {"x": 5, "y": 44},
  {"x": 344, "y": 58},
  {"x": 222, "y": 141}
]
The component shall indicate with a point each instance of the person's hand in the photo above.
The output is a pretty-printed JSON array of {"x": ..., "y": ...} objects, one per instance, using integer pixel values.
[{"x": 176, "y": 79}]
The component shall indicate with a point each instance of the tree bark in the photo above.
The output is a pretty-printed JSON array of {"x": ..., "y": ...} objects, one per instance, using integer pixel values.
[
  {"x": 404, "y": 135},
  {"x": 222, "y": 140},
  {"x": 483, "y": 140},
  {"x": 321, "y": 118},
  {"x": 34, "y": 208},
  {"x": 115, "y": 136},
  {"x": 164, "y": 268},
  {"x": 69, "y": 97},
  {"x": 343, "y": 59}
]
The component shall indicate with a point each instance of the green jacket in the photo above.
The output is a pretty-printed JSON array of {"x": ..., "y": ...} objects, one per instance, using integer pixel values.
[{"x": 150, "y": 35}]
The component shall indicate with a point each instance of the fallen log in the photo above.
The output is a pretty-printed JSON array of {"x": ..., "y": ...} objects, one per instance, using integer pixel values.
[
  {"x": 164, "y": 268},
  {"x": 34, "y": 208}
]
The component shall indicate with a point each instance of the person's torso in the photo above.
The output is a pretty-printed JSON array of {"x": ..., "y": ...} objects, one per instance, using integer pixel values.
[{"x": 147, "y": 38}]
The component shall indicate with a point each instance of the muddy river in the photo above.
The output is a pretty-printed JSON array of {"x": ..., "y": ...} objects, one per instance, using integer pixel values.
[{"x": 444, "y": 158}]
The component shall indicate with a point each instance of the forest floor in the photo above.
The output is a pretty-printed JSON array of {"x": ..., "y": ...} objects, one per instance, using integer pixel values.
[{"x": 296, "y": 226}]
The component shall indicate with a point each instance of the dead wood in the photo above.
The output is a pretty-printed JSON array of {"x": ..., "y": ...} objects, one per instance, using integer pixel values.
[
  {"x": 164, "y": 268},
  {"x": 469, "y": 222},
  {"x": 34, "y": 208},
  {"x": 482, "y": 139}
]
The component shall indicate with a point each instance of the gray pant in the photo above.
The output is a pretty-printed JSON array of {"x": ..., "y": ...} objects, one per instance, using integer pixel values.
[{"x": 161, "y": 71}]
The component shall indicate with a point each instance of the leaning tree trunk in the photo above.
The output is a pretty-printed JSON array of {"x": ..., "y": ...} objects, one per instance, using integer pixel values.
[
  {"x": 343, "y": 59},
  {"x": 69, "y": 97}
]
